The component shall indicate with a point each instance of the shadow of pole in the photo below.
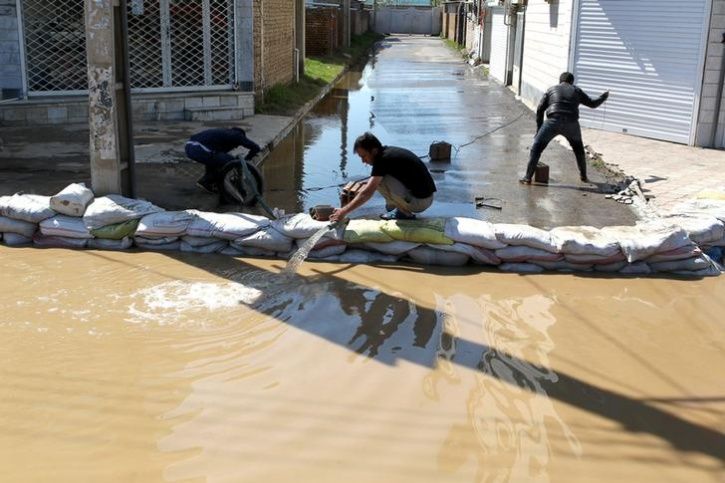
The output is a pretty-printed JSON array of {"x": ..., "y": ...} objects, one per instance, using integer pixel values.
[{"x": 379, "y": 316}]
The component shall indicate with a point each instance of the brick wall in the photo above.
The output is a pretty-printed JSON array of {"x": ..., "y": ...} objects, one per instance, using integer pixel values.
[
  {"x": 322, "y": 30},
  {"x": 274, "y": 43},
  {"x": 10, "y": 74},
  {"x": 713, "y": 68}
]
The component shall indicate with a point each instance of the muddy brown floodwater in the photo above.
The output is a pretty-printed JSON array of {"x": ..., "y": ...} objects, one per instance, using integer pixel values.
[{"x": 151, "y": 367}]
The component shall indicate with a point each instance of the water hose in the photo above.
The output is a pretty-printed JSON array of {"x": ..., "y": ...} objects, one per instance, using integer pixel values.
[{"x": 251, "y": 186}]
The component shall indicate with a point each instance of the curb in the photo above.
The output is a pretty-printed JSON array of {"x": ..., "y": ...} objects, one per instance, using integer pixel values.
[
  {"x": 307, "y": 107},
  {"x": 301, "y": 113}
]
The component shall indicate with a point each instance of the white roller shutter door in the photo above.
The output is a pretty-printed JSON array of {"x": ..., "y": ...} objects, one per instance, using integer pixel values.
[
  {"x": 649, "y": 54},
  {"x": 499, "y": 45}
]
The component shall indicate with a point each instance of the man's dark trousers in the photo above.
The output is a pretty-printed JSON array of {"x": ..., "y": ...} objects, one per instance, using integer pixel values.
[
  {"x": 553, "y": 126},
  {"x": 213, "y": 162}
]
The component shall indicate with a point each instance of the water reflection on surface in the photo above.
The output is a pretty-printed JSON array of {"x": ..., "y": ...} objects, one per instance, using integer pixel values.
[{"x": 164, "y": 368}]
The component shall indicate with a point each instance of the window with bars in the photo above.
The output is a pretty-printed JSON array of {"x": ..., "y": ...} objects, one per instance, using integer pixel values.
[{"x": 173, "y": 44}]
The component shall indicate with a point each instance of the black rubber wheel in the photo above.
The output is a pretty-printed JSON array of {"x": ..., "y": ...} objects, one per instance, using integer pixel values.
[{"x": 235, "y": 189}]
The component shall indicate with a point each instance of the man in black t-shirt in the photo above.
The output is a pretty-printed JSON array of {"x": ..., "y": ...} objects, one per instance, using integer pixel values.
[
  {"x": 211, "y": 148},
  {"x": 398, "y": 174}
]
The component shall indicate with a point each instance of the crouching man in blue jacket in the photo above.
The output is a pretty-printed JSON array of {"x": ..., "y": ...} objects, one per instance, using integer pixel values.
[{"x": 211, "y": 148}]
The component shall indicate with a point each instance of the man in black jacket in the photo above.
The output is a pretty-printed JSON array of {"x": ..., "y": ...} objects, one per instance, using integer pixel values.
[
  {"x": 561, "y": 104},
  {"x": 211, "y": 148},
  {"x": 398, "y": 175}
]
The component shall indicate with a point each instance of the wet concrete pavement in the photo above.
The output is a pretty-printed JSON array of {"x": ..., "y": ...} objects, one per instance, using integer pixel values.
[
  {"x": 46, "y": 159},
  {"x": 413, "y": 92}
]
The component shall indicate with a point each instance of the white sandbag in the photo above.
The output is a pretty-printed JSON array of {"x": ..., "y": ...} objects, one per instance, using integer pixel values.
[
  {"x": 226, "y": 226},
  {"x": 329, "y": 251},
  {"x": 682, "y": 253},
  {"x": 139, "y": 240},
  {"x": 198, "y": 241},
  {"x": 72, "y": 200},
  {"x": 267, "y": 239},
  {"x": 30, "y": 208},
  {"x": 171, "y": 247},
  {"x": 689, "y": 264},
  {"x": 717, "y": 243},
  {"x": 103, "y": 244},
  {"x": 247, "y": 252},
  {"x": 215, "y": 247},
  {"x": 637, "y": 268},
  {"x": 525, "y": 235},
  {"x": 364, "y": 257},
  {"x": 8, "y": 225},
  {"x": 702, "y": 228},
  {"x": 472, "y": 232},
  {"x": 430, "y": 256},
  {"x": 112, "y": 209},
  {"x": 645, "y": 239},
  {"x": 165, "y": 224},
  {"x": 610, "y": 268},
  {"x": 579, "y": 240},
  {"x": 15, "y": 240},
  {"x": 41, "y": 240},
  {"x": 596, "y": 259},
  {"x": 711, "y": 271},
  {"x": 564, "y": 266},
  {"x": 301, "y": 226},
  {"x": 515, "y": 254},
  {"x": 520, "y": 268},
  {"x": 479, "y": 255},
  {"x": 65, "y": 226},
  {"x": 392, "y": 248}
]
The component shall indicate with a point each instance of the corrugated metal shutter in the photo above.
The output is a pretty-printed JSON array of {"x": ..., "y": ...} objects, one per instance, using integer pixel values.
[
  {"x": 499, "y": 45},
  {"x": 648, "y": 53}
]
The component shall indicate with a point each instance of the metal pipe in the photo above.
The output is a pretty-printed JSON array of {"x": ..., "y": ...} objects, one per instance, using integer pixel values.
[
  {"x": 718, "y": 102},
  {"x": 127, "y": 99}
]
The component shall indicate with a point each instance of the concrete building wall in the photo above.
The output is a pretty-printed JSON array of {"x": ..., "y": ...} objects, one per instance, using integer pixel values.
[
  {"x": 713, "y": 70},
  {"x": 11, "y": 81},
  {"x": 546, "y": 47},
  {"x": 274, "y": 43}
]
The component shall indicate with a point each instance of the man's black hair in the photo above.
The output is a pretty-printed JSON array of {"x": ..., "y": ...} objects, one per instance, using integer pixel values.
[
  {"x": 368, "y": 142},
  {"x": 567, "y": 77}
]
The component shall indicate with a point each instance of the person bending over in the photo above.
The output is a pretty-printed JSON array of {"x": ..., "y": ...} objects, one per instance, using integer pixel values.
[
  {"x": 211, "y": 148},
  {"x": 397, "y": 174},
  {"x": 561, "y": 104}
]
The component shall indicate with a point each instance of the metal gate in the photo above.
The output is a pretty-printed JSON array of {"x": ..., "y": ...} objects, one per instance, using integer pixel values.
[
  {"x": 173, "y": 45},
  {"x": 650, "y": 53},
  {"x": 408, "y": 20},
  {"x": 55, "y": 46}
]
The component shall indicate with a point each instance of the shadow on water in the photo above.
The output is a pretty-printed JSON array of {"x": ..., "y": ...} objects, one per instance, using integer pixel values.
[{"x": 378, "y": 319}]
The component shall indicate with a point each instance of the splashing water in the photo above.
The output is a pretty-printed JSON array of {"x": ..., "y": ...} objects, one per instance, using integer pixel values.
[{"x": 301, "y": 255}]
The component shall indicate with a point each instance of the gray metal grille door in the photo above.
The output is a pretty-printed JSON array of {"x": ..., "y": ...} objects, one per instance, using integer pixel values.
[
  {"x": 55, "y": 45},
  {"x": 173, "y": 45},
  {"x": 176, "y": 44}
]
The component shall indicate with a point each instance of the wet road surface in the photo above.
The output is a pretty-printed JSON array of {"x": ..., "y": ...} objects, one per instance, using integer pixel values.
[
  {"x": 415, "y": 91},
  {"x": 152, "y": 367}
]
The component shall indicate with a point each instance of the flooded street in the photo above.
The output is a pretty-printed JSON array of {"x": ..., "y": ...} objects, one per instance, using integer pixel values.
[
  {"x": 415, "y": 91},
  {"x": 153, "y": 367}
]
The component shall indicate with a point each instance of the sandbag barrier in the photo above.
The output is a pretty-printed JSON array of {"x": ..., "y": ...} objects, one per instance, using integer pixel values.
[{"x": 674, "y": 244}]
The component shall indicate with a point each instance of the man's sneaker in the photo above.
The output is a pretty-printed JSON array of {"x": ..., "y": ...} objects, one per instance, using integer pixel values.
[
  {"x": 584, "y": 179},
  {"x": 207, "y": 185},
  {"x": 397, "y": 215},
  {"x": 525, "y": 180}
]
